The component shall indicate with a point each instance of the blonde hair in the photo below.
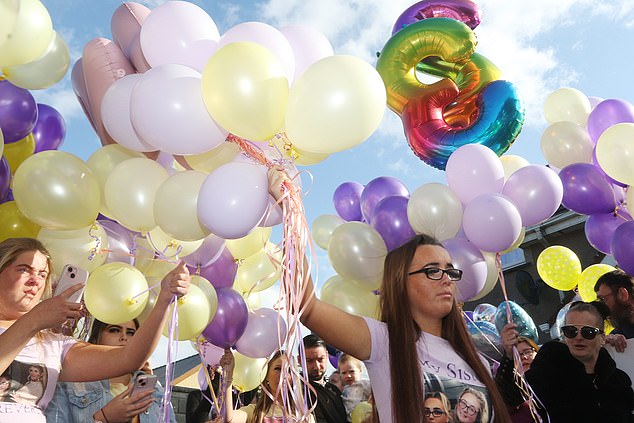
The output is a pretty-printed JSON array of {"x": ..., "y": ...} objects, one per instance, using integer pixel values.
[
  {"x": 11, "y": 248},
  {"x": 347, "y": 358}
]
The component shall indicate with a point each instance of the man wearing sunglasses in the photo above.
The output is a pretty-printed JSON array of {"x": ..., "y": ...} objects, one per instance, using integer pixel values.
[{"x": 616, "y": 290}]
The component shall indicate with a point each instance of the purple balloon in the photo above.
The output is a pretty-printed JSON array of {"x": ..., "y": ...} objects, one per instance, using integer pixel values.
[
  {"x": 376, "y": 190},
  {"x": 468, "y": 258},
  {"x": 347, "y": 200},
  {"x": 492, "y": 222},
  {"x": 221, "y": 273},
  {"x": 600, "y": 229},
  {"x": 334, "y": 360},
  {"x": 623, "y": 247},
  {"x": 5, "y": 178},
  {"x": 208, "y": 252},
  {"x": 120, "y": 242},
  {"x": 18, "y": 112},
  {"x": 261, "y": 338},
  {"x": 230, "y": 320},
  {"x": 468, "y": 316},
  {"x": 607, "y": 113},
  {"x": 464, "y": 11},
  {"x": 586, "y": 191},
  {"x": 390, "y": 221},
  {"x": 49, "y": 130}
]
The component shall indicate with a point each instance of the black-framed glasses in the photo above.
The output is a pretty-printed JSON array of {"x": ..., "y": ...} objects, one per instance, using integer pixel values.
[
  {"x": 587, "y": 332},
  {"x": 470, "y": 409},
  {"x": 436, "y": 273},
  {"x": 436, "y": 412},
  {"x": 527, "y": 353}
]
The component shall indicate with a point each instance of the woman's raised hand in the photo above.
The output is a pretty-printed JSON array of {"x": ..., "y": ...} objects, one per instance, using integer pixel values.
[
  {"x": 124, "y": 406},
  {"x": 53, "y": 312},
  {"x": 509, "y": 338},
  {"x": 176, "y": 282}
]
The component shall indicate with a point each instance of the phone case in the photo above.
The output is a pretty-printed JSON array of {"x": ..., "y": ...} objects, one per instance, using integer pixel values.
[
  {"x": 72, "y": 275},
  {"x": 144, "y": 383}
]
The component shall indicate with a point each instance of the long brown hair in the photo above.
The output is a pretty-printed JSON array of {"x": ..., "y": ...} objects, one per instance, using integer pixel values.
[
  {"x": 11, "y": 248},
  {"x": 403, "y": 333}
]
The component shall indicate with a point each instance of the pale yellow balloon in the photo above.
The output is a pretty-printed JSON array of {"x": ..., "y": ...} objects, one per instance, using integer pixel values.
[
  {"x": 211, "y": 160},
  {"x": 116, "y": 292},
  {"x": 350, "y": 297},
  {"x": 250, "y": 244},
  {"x": 130, "y": 191},
  {"x": 248, "y": 372},
  {"x": 30, "y": 34},
  {"x": 170, "y": 247},
  {"x": 492, "y": 276},
  {"x": 208, "y": 290},
  {"x": 13, "y": 224},
  {"x": 194, "y": 312},
  {"x": 629, "y": 198},
  {"x": 559, "y": 267},
  {"x": 151, "y": 300},
  {"x": 44, "y": 71},
  {"x": 176, "y": 206},
  {"x": 615, "y": 152},
  {"x": 337, "y": 103},
  {"x": 361, "y": 412},
  {"x": 434, "y": 209},
  {"x": 589, "y": 278},
  {"x": 56, "y": 190},
  {"x": 17, "y": 152},
  {"x": 299, "y": 157},
  {"x": 245, "y": 90},
  {"x": 8, "y": 17},
  {"x": 565, "y": 143},
  {"x": 1, "y": 143},
  {"x": 102, "y": 161},
  {"x": 259, "y": 271},
  {"x": 323, "y": 227},
  {"x": 252, "y": 299},
  {"x": 567, "y": 104},
  {"x": 512, "y": 163},
  {"x": 85, "y": 247}
]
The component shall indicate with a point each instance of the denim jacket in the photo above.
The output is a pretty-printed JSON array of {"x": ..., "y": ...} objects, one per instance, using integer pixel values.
[{"x": 77, "y": 402}]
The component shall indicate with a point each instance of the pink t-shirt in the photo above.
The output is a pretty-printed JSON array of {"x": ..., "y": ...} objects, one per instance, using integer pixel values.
[
  {"x": 28, "y": 384},
  {"x": 443, "y": 371}
]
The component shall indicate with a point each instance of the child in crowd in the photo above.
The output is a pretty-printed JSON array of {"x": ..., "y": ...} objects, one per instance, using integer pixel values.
[{"x": 355, "y": 389}]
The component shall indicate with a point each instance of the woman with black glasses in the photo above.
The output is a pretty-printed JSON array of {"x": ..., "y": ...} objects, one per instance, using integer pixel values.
[
  {"x": 437, "y": 408},
  {"x": 577, "y": 381}
]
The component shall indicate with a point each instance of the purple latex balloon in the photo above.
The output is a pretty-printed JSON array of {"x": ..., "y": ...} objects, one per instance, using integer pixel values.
[
  {"x": 390, "y": 221},
  {"x": 607, "y": 113},
  {"x": 18, "y": 112},
  {"x": 334, "y": 360},
  {"x": 261, "y": 338},
  {"x": 466, "y": 257},
  {"x": 208, "y": 252},
  {"x": 5, "y": 178},
  {"x": 623, "y": 247},
  {"x": 347, "y": 200},
  {"x": 468, "y": 316},
  {"x": 600, "y": 228},
  {"x": 221, "y": 273},
  {"x": 120, "y": 242},
  {"x": 49, "y": 130},
  {"x": 230, "y": 320},
  {"x": 376, "y": 190},
  {"x": 491, "y": 222},
  {"x": 209, "y": 353},
  {"x": 464, "y": 11},
  {"x": 586, "y": 191}
]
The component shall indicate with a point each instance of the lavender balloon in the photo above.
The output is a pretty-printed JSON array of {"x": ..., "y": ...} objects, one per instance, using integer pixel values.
[
  {"x": 464, "y": 11},
  {"x": 376, "y": 190},
  {"x": 221, "y": 273},
  {"x": 18, "y": 112},
  {"x": 623, "y": 247},
  {"x": 491, "y": 222},
  {"x": 5, "y": 178},
  {"x": 230, "y": 320},
  {"x": 607, "y": 113},
  {"x": 586, "y": 191},
  {"x": 466, "y": 257},
  {"x": 347, "y": 200},
  {"x": 261, "y": 337},
  {"x": 49, "y": 130},
  {"x": 390, "y": 221},
  {"x": 208, "y": 252},
  {"x": 120, "y": 242},
  {"x": 600, "y": 228}
]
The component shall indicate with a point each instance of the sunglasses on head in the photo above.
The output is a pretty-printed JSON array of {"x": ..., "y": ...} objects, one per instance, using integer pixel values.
[{"x": 587, "y": 332}]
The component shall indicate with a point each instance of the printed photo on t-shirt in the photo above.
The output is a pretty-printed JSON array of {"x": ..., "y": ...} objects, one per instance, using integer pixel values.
[
  {"x": 23, "y": 383},
  {"x": 452, "y": 400}
]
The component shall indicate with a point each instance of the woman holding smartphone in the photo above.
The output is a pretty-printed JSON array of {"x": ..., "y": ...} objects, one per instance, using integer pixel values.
[{"x": 109, "y": 400}]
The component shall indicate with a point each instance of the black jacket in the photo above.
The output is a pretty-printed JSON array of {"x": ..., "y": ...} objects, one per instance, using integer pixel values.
[{"x": 330, "y": 408}]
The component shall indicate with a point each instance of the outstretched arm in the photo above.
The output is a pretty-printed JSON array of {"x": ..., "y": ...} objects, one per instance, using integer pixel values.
[{"x": 227, "y": 363}]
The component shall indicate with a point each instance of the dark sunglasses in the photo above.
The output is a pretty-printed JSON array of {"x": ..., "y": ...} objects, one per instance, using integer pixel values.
[
  {"x": 436, "y": 412},
  {"x": 587, "y": 332},
  {"x": 436, "y": 273}
]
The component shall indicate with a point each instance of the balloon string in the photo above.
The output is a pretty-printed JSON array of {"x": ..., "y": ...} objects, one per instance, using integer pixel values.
[
  {"x": 169, "y": 368},
  {"x": 96, "y": 249},
  {"x": 466, "y": 316}
]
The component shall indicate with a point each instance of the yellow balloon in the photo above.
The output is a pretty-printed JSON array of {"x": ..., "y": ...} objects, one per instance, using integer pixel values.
[
  {"x": 567, "y": 104},
  {"x": 589, "y": 278},
  {"x": 116, "y": 292},
  {"x": 492, "y": 275},
  {"x": 248, "y": 372},
  {"x": 151, "y": 300},
  {"x": 559, "y": 267},
  {"x": 57, "y": 190},
  {"x": 168, "y": 247},
  {"x": 1, "y": 143},
  {"x": 102, "y": 161},
  {"x": 299, "y": 157},
  {"x": 130, "y": 191},
  {"x": 252, "y": 299},
  {"x": 84, "y": 247},
  {"x": 13, "y": 224},
  {"x": 194, "y": 312},
  {"x": 511, "y": 163},
  {"x": 211, "y": 160},
  {"x": 44, "y": 71},
  {"x": 259, "y": 271},
  {"x": 607, "y": 327},
  {"x": 146, "y": 261},
  {"x": 335, "y": 104},
  {"x": 180, "y": 222},
  {"x": 245, "y": 90},
  {"x": 361, "y": 412},
  {"x": 615, "y": 152},
  {"x": 350, "y": 297},
  {"x": 17, "y": 152},
  {"x": 29, "y": 35},
  {"x": 248, "y": 245}
]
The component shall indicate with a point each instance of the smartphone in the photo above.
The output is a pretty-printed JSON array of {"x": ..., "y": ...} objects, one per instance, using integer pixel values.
[
  {"x": 143, "y": 383},
  {"x": 72, "y": 275}
]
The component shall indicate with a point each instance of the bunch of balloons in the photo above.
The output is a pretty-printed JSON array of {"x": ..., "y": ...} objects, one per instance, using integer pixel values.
[
  {"x": 589, "y": 140},
  {"x": 468, "y": 105}
]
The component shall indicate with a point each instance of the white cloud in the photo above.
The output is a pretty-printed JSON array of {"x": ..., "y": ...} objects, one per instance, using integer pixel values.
[{"x": 63, "y": 99}]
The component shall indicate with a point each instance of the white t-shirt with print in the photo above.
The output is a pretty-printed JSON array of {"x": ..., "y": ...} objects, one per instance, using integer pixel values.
[
  {"x": 32, "y": 377},
  {"x": 444, "y": 370}
]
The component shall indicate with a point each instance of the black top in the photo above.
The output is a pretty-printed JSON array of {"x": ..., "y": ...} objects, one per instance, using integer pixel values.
[{"x": 330, "y": 408}]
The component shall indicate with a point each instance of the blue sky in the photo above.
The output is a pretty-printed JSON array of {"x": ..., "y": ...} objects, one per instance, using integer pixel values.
[{"x": 540, "y": 46}]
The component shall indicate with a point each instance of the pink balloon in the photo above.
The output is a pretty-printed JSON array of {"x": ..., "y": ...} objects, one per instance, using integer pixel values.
[
  {"x": 536, "y": 191},
  {"x": 466, "y": 257},
  {"x": 79, "y": 87},
  {"x": 261, "y": 337},
  {"x": 125, "y": 24},
  {"x": 492, "y": 222},
  {"x": 473, "y": 170}
]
